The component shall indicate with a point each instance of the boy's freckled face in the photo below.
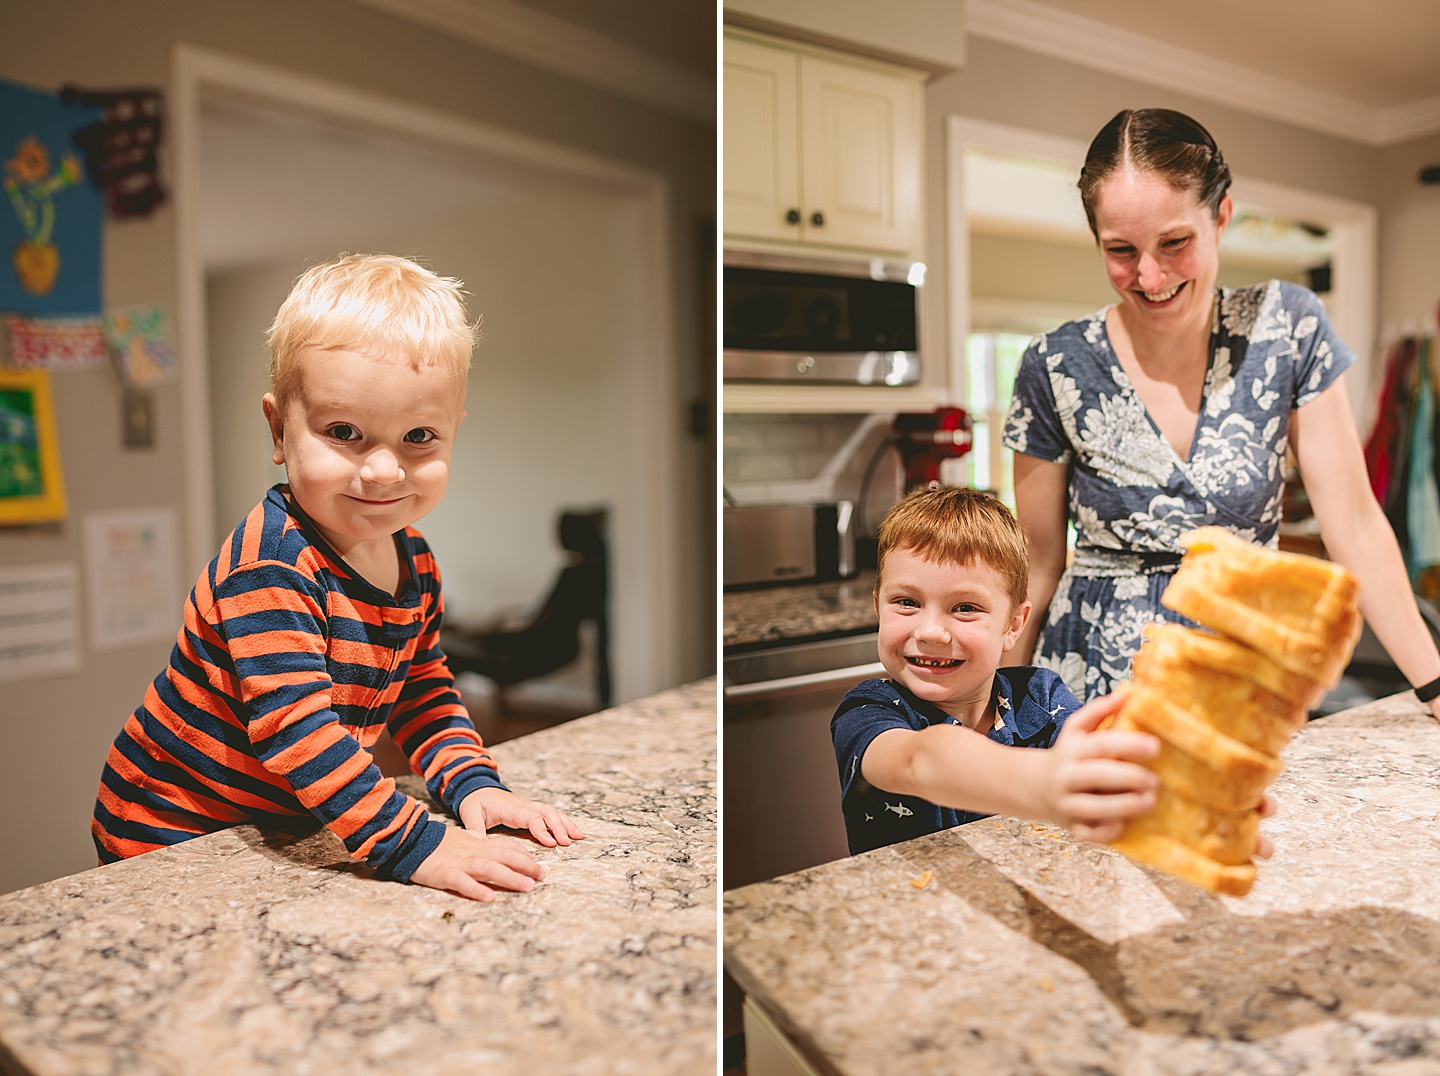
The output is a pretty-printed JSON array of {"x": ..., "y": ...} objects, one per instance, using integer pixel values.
[
  {"x": 943, "y": 629},
  {"x": 366, "y": 442}
]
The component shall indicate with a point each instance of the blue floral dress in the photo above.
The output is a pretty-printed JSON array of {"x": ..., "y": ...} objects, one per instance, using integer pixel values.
[{"x": 1131, "y": 496}]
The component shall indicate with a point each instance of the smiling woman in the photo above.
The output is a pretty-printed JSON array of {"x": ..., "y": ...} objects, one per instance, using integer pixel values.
[{"x": 1174, "y": 409}]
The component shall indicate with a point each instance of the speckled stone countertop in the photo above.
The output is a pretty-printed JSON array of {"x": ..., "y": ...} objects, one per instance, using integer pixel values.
[
  {"x": 780, "y": 614},
  {"x": 1031, "y": 952},
  {"x": 269, "y": 952}
]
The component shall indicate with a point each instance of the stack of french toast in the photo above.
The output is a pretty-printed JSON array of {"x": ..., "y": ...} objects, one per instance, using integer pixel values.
[{"x": 1225, "y": 701}]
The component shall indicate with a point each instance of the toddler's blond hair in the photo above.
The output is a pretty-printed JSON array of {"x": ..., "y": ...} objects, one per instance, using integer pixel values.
[{"x": 379, "y": 305}]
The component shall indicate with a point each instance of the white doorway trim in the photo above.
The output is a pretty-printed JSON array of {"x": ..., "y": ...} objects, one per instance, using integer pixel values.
[
  {"x": 1353, "y": 225},
  {"x": 645, "y": 583}
]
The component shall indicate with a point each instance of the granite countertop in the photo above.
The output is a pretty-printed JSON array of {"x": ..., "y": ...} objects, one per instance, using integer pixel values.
[
  {"x": 1032, "y": 952},
  {"x": 781, "y": 614},
  {"x": 252, "y": 951}
]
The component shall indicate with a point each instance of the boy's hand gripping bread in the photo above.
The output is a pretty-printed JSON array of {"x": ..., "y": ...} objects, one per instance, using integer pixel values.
[{"x": 1223, "y": 705}]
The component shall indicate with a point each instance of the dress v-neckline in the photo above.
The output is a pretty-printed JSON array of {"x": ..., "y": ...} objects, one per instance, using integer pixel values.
[{"x": 1129, "y": 385}]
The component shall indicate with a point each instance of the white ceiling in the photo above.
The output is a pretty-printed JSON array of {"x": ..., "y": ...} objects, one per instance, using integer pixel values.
[{"x": 1380, "y": 53}]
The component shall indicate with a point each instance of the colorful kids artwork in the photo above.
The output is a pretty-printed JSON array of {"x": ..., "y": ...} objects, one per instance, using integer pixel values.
[
  {"x": 54, "y": 343},
  {"x": 140, "y": 345},
  {"x": 130, "y": 560},
  {"x": 51, "y": 234},
  {"x": 120, "y": 150},
  {"x": 31, "y": 488}
]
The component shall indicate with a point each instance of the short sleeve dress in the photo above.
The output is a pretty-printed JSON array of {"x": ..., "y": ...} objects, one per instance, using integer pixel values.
[{"x": 1131, "y": 496}]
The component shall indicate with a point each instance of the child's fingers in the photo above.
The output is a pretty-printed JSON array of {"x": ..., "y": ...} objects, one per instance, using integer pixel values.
[
  {"x": 461, "y": 884},
  {"x": 1107, "y": 774},
  {"x": 510, "y": 854},
  {"x": 1098, "y": 832},
  {"x": 1090, "y": 809},
  {"x": 551, "y": 826},
  {"x": 1264, "y": 847},
  {"x": 1127, "y": 744},
  {"x": 1089, "y": 716},
  {"x": 576, "y": 834},
  {"x": 1267, "y": 805},
  {"x": 502, "y": 875},
  {"x": 489, "y": 858},
  {"x": 543, "y": 831}
]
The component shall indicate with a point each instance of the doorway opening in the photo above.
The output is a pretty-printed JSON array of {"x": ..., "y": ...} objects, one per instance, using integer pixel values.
[{"x": 564, "y": 256}]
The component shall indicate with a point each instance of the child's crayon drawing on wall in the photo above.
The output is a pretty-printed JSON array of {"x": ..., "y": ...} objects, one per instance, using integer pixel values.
[
  {"x": 31, "y": 488},
  {"x": 50, "y": 235}
]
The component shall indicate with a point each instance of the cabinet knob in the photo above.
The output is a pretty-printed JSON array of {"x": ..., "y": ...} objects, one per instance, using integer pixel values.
[
  {"x": 817, "y": 218},
  {"x": 792, "y": 217}
]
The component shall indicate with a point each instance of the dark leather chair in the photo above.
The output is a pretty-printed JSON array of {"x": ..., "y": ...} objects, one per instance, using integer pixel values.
[{"x": 551, "y": 639}]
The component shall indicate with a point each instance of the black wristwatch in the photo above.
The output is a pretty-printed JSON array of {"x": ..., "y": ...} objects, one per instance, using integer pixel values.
[{"x": 1426, "y": 692}]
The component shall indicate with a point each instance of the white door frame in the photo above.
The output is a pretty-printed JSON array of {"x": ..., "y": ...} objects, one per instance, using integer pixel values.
[
  {"x": 644, "y": 581},
  {"x": 1354, "y": 226}
]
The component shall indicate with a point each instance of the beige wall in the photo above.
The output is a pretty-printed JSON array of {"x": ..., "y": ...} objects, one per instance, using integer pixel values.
[
  {"x": 55, "y": 731},
  {"x": 1409, "y": 237}
]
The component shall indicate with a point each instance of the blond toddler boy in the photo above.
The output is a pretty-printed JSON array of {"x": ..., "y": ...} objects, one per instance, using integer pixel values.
[{"x": 317, "y": 625}]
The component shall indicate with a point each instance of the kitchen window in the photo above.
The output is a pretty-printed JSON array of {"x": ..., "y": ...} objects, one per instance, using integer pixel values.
[{"x": 992, "y": 359}]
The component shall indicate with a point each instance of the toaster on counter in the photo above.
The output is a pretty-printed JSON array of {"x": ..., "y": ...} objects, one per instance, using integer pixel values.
[{"x": 788, "y": 543}]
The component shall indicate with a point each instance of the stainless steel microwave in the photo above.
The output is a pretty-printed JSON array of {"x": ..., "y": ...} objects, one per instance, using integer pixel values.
[{"x": 826, "y": 321}]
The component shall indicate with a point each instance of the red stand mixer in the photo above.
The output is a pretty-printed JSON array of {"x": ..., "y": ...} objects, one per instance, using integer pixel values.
[{"x": 926, "y": 439}]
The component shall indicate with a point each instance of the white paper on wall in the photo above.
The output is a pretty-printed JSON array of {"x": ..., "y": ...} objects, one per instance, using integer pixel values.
[
  {"x": 130, "y": 555},
  {"x": 39, "y": 621}
]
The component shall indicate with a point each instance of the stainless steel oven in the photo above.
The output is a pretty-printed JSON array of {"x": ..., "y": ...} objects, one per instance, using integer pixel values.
[
  {"x": 782, "y": 787},
  {"x": 821, "y": 320}
]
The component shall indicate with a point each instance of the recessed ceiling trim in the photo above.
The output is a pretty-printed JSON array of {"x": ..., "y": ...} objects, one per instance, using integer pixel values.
[
  {"x": 1414, "y": 120},
  {"x": 1033, "y": 26},
  {"x": 546, "y": 41}
]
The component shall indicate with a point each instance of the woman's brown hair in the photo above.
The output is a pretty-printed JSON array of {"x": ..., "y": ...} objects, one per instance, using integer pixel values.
[{"x": 1158, "y": 140}]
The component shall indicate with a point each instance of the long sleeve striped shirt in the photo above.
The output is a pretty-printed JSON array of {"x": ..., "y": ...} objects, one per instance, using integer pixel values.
[{"x": 286, "y": 669}]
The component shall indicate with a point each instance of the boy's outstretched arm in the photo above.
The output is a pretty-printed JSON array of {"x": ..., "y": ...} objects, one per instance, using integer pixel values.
[{"x": 1090, "y": 781}]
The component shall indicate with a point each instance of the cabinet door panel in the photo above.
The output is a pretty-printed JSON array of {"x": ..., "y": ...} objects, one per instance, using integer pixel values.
[
  {"x": 760, "y": 160},
  {"x": 860, "y": 141}
]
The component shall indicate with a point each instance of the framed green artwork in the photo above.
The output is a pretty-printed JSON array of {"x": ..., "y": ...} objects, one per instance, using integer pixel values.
[{"x": 31, "y": 487}]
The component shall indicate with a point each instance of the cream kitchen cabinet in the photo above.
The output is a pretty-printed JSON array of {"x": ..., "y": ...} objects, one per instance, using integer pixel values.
[{"x": 821, "y": 150}]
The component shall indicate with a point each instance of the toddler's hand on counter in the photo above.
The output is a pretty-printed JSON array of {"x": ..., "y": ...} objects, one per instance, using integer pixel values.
[
  {"x": 487, "y": 807},
  {"x": 469, "y": 866}
]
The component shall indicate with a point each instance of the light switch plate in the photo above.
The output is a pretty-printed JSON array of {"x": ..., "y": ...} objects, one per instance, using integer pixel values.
[{"x": 138, "y": 418}]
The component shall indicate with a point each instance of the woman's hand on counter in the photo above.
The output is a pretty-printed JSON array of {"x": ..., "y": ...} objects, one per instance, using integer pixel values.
[
  {"x": 487, "y": 807},
  {"x": 470, "y": 865}
]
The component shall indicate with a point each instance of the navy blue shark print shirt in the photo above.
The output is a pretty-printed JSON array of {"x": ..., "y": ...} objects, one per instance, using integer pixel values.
[{"x": 1030, "y": 704}]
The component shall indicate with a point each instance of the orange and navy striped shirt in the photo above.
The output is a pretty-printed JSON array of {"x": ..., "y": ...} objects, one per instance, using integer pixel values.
[{"x": 285, "y": 671}]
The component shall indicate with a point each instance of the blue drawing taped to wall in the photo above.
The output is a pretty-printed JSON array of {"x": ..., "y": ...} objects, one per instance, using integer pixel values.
[{"x": 51, "y": 227}]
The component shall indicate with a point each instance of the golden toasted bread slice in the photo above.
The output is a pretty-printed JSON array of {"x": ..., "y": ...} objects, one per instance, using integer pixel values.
[
  {"x": 1228, "y": 837},
  {"x": 1298, "y": 611},
  {"x": 1243, "y": 694},
  {"x": 1214, "y": 768},
  {"x": 1172, "y": 857}
]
